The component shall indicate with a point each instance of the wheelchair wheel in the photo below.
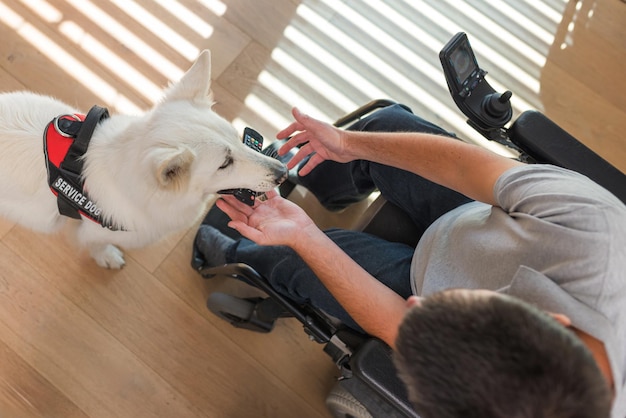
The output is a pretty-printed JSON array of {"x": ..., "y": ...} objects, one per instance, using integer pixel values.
[
  {"x": 342, "y": 404},
  {"x": 240, "y": 313}
]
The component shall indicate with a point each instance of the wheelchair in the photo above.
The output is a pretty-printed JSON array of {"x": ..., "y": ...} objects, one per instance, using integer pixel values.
[{"x": 368, "y": 385}]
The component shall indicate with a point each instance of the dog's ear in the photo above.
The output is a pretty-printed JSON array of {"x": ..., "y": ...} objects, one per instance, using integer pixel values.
[
  {"x": 172, "y": 166},
  {"x": 196, "y": 82}
]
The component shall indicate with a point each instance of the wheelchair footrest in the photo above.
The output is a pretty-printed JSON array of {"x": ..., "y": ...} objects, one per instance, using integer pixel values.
[{"x": 241, "y": 313}]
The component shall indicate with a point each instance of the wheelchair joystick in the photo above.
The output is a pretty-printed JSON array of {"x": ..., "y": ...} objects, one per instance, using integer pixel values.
[{"x": 498, "y": 107}]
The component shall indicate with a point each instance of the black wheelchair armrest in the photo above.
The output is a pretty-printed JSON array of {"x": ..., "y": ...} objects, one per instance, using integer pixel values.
[
  {"x": 362, "y": 111},
  {"x": 546, "y": 142}
]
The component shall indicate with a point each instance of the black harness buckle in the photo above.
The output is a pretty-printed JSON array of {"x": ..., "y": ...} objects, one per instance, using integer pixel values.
[{"x": 66, "y": 127}]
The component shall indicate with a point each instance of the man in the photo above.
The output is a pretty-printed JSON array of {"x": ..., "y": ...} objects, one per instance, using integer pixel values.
[{"x": 508, "y": 252}]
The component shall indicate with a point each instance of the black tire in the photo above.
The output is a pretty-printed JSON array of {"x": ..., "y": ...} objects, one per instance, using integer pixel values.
[{"x": 342, "y": 404}]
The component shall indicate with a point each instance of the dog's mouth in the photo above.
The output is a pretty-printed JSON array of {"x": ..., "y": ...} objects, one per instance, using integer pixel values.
[
  {"x": 249, "y": 197},
  {"x": 228, "y": 191},
  {"x": 240, "y": 192}
]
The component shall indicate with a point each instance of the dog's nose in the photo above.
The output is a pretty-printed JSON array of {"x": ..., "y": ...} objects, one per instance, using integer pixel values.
[{"x": 281, "y": 174}]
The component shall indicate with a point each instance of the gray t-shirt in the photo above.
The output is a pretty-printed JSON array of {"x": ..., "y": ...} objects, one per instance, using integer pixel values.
[{"x": 557, "y": 240}]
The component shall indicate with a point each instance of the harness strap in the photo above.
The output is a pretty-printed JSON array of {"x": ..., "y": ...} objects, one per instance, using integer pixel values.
[
  {"x": 66, "y": 179},
  {"x": 73, "y": 161}
]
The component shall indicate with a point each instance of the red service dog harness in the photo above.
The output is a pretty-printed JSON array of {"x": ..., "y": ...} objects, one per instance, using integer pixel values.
[{"x": 65, "y": 141}]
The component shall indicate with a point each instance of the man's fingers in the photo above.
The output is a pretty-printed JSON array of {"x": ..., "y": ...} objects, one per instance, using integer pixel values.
[
  {"x": 300, "y": 155},
  {"x": 289, "y": 130},
  {"x": 313, "y": 162},
  {"x": 295, "y": 126},
  {"x": 247, "y": 231},
  {"x": 271, "y": 194},
  {"x": 294, "y": 141},
  {"x": 299, "y": 116},
  {"x": 236, "y": 210}
]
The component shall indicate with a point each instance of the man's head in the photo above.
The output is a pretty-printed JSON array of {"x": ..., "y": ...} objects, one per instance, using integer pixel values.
[{"x": 465, "y": 353}]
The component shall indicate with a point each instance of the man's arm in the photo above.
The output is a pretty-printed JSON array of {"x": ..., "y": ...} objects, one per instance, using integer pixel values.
[
  {"x": 277, "y": 221},
  {"x": 375, "y": 307},
  {"x": 466, "y": 168}
]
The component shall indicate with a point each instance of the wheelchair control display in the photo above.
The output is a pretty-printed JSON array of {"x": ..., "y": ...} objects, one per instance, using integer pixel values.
[{"x": 488, "y": 111}]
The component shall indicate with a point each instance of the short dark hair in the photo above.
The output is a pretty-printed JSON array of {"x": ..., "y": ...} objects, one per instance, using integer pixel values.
[{"x": 466, "y": 355}]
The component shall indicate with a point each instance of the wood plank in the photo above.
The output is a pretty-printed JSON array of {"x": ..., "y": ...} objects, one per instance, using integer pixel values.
[
  {"x": 5, "y": 226},
  {"x": 587, "y": 115},
  {"x": 8, "y": 82},
  {"x": 263, "y": 21},
  {"x": 203, "y": 29},
  {"x": 582, "y": 81},
  {"x": 26, "y": 393},
  {"x": 24, "y": 39},
  {"x": 183, "y": 348},
  {"x": 72, "y": 351},
  {"x": 285, "y": 352},
  {"x": 582, "y": 43},
  {"x": 76, "y": 340},
  {"x": 152, "y": 256}
]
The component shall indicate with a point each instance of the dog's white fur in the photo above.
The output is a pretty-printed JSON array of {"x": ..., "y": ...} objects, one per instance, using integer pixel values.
[{"x": 153, "y": 173}]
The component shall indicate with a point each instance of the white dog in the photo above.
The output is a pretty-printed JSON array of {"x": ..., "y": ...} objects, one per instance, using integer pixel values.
[{"x": 147, "y": 175}]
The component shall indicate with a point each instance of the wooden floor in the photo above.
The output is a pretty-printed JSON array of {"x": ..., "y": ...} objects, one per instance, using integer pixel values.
[{"x": 77, "y": 340}]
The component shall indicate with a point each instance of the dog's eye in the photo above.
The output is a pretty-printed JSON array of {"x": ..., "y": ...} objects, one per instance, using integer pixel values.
[{"x": 228, "y": 161}]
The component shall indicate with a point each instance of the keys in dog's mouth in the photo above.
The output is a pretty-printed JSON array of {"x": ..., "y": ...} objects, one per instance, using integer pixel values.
[{"x": 246, "y": 196}]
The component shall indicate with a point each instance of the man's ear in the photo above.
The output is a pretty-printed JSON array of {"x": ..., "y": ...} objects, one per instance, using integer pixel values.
[
  {"x": 195, "y": 83},
  {"x": 561, "y": 319},
  {"x": 172, "y": 166}
]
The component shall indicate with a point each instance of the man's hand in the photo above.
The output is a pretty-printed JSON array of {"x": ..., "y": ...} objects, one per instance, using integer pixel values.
[
  {"x": 466, "y": 168},
  {"x": 318, "y": 139},
  {"x": 275, "y": 221}
]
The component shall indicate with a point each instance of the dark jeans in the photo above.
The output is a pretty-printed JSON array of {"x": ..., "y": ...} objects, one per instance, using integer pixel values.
[{"x": 336, "y": 185}]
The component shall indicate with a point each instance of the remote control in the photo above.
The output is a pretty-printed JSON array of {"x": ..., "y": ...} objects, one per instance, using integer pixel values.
[{"x": 254, "y": 140}]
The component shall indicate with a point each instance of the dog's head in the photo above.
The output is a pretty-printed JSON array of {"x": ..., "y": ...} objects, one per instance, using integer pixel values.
[{"x": 194, "y": 149}]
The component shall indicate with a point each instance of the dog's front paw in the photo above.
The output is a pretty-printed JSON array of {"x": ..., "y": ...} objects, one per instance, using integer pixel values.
[{"x": 108, "y": 256}]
